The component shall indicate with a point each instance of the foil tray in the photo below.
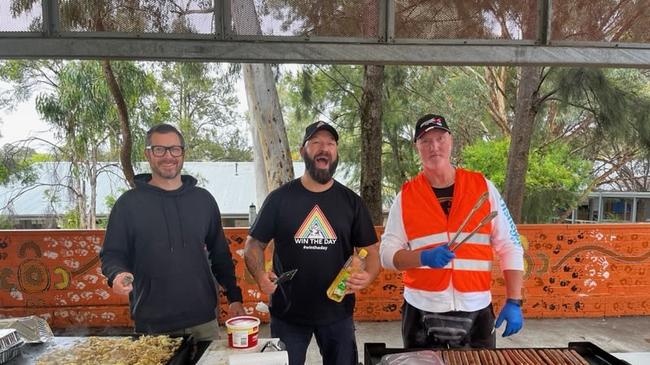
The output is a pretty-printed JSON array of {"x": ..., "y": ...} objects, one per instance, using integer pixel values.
[
  {"x": 11, "y": 352},
  {"x": 31, "y": 329},
  {"x": 8, "y": 338}
]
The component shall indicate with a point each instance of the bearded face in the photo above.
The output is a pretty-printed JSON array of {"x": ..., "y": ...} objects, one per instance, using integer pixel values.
[
  {"x": 320, "y": 154},
  {"x": 321, "y": 167}
]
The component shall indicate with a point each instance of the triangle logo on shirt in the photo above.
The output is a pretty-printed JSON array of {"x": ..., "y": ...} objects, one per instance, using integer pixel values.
[{"x": 315, "y": 232}]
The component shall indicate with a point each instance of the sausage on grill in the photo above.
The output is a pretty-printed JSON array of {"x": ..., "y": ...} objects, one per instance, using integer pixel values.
[
  {"x": 581, "y": 360},
  {"x": 542, "y": 353}
]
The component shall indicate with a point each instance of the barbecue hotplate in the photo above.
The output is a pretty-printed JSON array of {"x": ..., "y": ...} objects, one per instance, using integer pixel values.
[
  {"x": 189, "y": 352},
  {"x": 591, "y": 353}
]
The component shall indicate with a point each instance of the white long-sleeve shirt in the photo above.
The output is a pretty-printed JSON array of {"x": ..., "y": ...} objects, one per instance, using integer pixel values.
[{"x": 505, "y": 242}]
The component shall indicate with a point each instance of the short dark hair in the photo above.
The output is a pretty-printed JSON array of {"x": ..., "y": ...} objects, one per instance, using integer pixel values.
[{"x": 162, "y": 129}]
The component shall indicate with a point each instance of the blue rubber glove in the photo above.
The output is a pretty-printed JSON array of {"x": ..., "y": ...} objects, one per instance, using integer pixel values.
[
  {"x": 436, "y": 257},
  {"x": 510, "y": 312}
]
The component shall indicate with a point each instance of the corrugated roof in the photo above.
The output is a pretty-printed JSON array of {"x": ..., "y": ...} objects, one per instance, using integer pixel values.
[{"x": 231, "y": 183}]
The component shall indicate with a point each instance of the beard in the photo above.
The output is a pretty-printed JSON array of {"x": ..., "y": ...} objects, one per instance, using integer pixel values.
[{"x": 322, "y": 176}]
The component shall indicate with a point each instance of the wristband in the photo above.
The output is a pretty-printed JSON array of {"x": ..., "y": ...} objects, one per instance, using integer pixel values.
[{"x": 517, "y": 302}]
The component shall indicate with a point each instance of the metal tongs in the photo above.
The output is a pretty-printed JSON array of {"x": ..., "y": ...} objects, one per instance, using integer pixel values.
[
  {"x": 453, "y": 246},
  {"x": 285, "y": 276}
]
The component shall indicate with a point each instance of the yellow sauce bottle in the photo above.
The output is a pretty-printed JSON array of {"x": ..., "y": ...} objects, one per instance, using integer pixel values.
[{"x": 355, "y": 263}]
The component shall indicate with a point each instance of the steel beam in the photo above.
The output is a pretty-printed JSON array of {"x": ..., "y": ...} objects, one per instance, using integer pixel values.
[
  {"x": 543, "y": 21},
  {"x": 312, "y": 52},
  {"x": 50, "y": 11}
]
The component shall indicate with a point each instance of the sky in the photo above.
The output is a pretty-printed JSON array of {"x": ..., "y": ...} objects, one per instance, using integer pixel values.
[{"x": 24, "y": 121}]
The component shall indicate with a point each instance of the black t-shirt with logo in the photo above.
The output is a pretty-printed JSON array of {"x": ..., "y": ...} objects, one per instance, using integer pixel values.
[
  {"x": 445, "y": 196},
  {"x": 314, "y": 233}
]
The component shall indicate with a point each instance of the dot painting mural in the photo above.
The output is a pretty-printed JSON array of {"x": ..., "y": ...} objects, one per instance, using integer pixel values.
[{"x": 571, "y": 271}]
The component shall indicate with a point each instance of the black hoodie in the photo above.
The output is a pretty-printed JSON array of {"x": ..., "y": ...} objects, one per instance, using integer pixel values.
[{"x": 161, "y": 237}]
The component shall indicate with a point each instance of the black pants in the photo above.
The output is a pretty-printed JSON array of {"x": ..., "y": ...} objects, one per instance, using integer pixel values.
[
  {"x": 336, "y": 341},
  {"x": 481, "y": 334}
]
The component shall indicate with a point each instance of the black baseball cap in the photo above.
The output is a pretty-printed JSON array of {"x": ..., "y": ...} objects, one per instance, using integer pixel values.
[
  {"x": 429, "y": 122},
  {"x": 319, "y": 126}
]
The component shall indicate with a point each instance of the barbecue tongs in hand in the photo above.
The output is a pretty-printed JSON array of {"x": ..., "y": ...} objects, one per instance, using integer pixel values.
[
  {"x": 285, "y": 276},
  {"x": 453, "y": 246}
]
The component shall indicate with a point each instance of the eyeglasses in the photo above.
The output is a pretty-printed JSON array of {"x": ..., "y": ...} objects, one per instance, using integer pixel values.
[{"x": 174, "y": 151}]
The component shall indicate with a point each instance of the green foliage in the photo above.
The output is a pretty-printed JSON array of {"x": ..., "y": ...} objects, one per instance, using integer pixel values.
[
  {"x": 333, "y": 93},
  {"x": 554, "y": 180},
  {"x": 16, "y": 165},
  {"x": 110, "y": 201},
  {"x": 6, "y": 222},
  {"x": 199, "y": 98},
  {"x": 42, "y": 157},
  {"x": 490, "y": 158},
  {"x": 619, "y": 100},
  {"x": 70, "y": 220}
]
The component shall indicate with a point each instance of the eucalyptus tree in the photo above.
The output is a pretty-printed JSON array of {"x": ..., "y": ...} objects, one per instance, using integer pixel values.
[
  {"x": 522, "y": 100},
  {"x": 120, "y": 16},
  {"x": 334, "y": 93},
  {"x": 200, "y": 99},
  {"x": 272, "y": 156},
  {"x": 352, "y": 19},
  {"x": 16, "y": 164},
  {"x": 73, "y": 99},
  {"x": 83, "y": 116},
  {"x": 602, "y": 20},
  {"x": 615, "y": 105}
]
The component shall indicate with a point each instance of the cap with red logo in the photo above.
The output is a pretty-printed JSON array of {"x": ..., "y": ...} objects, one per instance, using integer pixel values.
[{"x": 429, "y": 122}]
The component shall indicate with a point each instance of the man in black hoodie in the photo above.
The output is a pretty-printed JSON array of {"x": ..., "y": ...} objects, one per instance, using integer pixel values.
[{"x": 165, "y": 247}]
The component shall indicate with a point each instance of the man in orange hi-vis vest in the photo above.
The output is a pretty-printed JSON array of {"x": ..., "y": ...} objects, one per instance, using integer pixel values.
[{"x": 447, "y": 298}]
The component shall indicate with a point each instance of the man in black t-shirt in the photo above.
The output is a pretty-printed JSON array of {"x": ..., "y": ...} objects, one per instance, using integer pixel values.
[{"x": 316, "y": 224}]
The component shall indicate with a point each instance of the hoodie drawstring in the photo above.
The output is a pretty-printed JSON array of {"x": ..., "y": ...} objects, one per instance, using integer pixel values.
[
  {"x": 169, "y": 236},
  {"x": 180, "y": 221}
]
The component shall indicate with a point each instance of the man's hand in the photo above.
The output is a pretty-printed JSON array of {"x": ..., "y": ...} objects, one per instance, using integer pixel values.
[
  {"x": 123, "y": 283},
  {"x": 266, "y": 282},
  {"x": 511, "y": 313},
  {"x": 437, "y": 257},
  {"x": 236, "y": 309},
  {"x": 357, "y": 281}
]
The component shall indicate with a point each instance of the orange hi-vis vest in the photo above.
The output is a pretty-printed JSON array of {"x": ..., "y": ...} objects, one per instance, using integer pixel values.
[{"x": 427, "y": 226}]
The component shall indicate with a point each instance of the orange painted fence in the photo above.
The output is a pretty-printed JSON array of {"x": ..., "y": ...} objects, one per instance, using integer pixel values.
[{"x": 571, "y": 271}]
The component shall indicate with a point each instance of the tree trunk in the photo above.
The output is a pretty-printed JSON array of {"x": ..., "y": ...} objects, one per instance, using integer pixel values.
[
  {"x": 496, "y": 78},
  {"x": 81, "y": 201},
  {"x": 522, "y": 130},
  {"x": 92, "y": 178},
  {"x": 125, "y": 128},
  {"x": 371, "y": 141},
  {"x": 266, "y": 119},
  {"x": 265, "y": 113},
  {"x": 261, "y": 182},
  {"x": 122, "y": 110},
  {"x": 371, "y": 124}
]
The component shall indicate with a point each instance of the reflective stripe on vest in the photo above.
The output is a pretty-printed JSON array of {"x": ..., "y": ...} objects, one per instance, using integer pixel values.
[
  {"x": 427, "y": 226},
  {"x": 432, "y": 239},
  {"x": 435, "y": 239},
  {"x": 472, "y": 265}
]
